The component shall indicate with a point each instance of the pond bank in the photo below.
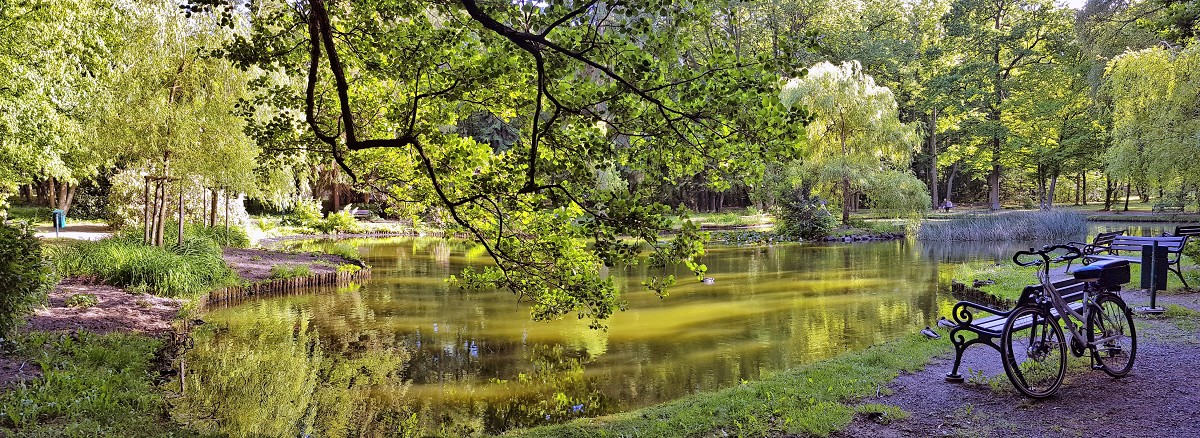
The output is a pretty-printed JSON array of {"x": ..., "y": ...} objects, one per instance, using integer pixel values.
[{"x": 108, "y": 351}]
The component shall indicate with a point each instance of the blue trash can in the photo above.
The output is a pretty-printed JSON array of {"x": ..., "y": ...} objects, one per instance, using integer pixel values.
[{"x": 60, "y": 218}]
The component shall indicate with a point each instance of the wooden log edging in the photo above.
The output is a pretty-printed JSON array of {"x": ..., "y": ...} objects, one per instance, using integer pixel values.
[{"x": 234, "y": 295}]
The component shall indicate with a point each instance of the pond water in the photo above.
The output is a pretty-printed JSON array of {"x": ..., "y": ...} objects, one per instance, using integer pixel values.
[{"x": 408, "y": 352}]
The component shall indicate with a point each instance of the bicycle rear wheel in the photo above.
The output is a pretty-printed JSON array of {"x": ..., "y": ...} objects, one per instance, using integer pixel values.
[
  {"x": 1112, "y": 335},
  {"x": 1033, "y": 351}
]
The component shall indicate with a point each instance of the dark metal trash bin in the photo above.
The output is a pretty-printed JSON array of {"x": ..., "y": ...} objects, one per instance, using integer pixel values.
[{"x": 60, "y": 218}]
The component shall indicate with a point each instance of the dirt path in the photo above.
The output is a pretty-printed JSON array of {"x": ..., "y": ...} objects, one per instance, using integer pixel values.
[{"x": 1159, "y": 398}]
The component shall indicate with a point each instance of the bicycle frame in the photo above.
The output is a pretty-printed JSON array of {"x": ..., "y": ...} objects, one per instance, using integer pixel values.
[{"x": 1065, "y": 313}]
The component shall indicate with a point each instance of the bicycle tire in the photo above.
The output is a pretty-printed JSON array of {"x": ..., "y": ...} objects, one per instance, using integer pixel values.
[
  {"x": 1111, "y": 318},
  {"x": 1035, "y": 353}
]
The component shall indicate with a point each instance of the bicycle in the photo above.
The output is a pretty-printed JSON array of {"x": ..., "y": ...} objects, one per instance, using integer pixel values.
[{"x": 1032, "y": 346}]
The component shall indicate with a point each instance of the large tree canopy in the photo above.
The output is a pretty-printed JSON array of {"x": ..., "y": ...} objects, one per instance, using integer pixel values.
[{"x": 638, "y": 86}]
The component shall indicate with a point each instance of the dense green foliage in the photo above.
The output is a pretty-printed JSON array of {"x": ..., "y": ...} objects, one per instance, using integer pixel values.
[
  {"x": 93, "y": 385},
  {"x": 804, "y": 218},
  {"x": 23, "y": 274},
  {"x": 188, "y": 269},
  {"x": 1057, "y": 225}
]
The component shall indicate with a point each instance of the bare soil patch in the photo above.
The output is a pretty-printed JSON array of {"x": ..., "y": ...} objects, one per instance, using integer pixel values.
[
  {"x": 116, "y": 310},
  {"x": 255, "y": 264},
  {"x": 1160, "y": 397}
]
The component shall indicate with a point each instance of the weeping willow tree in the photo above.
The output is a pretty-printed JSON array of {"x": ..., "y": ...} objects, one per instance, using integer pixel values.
[
  {"x": 857, "y": 143},
  {"x": 1156, "y": 117}
]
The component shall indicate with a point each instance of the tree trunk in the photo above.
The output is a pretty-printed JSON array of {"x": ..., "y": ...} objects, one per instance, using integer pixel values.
[
  {"x": 950, "y": 182},
  {"x": 146, "y": 236},
  {"x": 845, "y": 201},
  {"x": 1126, "y": 196},
  {"x": 212, "y": 218},
  {"x": 179, "y": 233},
  {"x": 1050, "y": 193},
  {"x": 1083, "y": 184},
  {"x": 69, "y": 198},
  {"x": 52, "y": 194},
  {"x": 933, "y": 154},
  {"x": 1108, "y": 193},
  {"x": 226, "y": 211}
]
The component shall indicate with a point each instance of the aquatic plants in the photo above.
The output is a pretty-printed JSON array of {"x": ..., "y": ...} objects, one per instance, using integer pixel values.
[{"x": 1060, "y": 225}]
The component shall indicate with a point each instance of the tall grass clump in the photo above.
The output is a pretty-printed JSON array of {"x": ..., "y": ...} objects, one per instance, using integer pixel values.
[
  {"x": 1033, "y": 225},
  {"x": 186, "y": 269},
  {"x": 234, "y": 237}
]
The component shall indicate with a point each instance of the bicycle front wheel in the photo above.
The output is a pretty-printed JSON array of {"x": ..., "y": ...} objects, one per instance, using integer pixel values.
[
  {"x": 1034, "y": 352},
  {"x": 1112, "y": 335}
]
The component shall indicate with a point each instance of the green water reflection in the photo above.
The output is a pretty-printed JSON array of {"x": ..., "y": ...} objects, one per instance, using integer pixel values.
[{"x": 407, "y": 353}]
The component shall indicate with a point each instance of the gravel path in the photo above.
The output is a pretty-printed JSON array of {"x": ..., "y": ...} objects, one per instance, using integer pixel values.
[{"x": 1159, "y": 398}]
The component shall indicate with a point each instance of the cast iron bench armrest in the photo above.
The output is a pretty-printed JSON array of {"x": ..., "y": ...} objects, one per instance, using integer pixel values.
[{"x": 964, "y": 318}]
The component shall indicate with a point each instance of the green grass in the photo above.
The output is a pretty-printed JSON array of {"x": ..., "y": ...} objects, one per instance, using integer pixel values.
[
  {"x": 94, "y": 385},
  {"x": 1026, "y": 225},
  {"x": 82, "y": 301},
  {"x": 813, "y": 400},
  {"x": 179, "y": 271},
  {"x": 283, "y": 272}
]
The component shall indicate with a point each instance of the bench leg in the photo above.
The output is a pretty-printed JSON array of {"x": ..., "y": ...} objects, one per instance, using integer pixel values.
[
  {"x": 959, "y": 347},
  {"x": 1180, "y": 275}
]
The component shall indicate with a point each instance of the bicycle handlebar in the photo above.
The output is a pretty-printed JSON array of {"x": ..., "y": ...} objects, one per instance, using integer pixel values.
[{"x": 1044, "y": 255}]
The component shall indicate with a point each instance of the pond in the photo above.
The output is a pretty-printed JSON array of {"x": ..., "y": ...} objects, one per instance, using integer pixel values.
[{"x": 408, "y": 352}]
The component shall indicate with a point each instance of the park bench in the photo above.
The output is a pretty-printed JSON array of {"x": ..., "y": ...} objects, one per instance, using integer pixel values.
[
  {"x": 987, "y": 323},
  {"x": 1168, "y": 206},
  {"x": 1185, "y": 230},
  {"x": 1099, "y": 245},
  {"x": 1129, "y": 248},
  {"x": 360, "y": 214}
]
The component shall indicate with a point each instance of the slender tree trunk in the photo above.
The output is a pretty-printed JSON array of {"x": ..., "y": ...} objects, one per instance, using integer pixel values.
[
  {"x": 70, "y": 198},
  {"x": 1050, "y": 193},
  {"x": 950, "y": 182},
  {"x": 933, "y": 154},
  {"x": 146, "y": 236},
  {"x": 1126, "y": 196},
  {"x": 212, "y": 218},
  {"x": 1078, "y": 191},
  {"x": 53, "y": 193},
  {"x": 179, "y": 233},
  {"x": 156, "y": 232},
  {"x": 226, "y": 211},
  {"x": 1108, "y": 193},
  {"x": 27, "y": 193},
  {"x": 1083, "y": 184}
]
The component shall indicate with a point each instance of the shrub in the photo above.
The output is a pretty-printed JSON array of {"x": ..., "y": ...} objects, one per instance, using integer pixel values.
[
  {"x": 189, "y": 268},
  {"x": 342, "y": 222},
  {"x": 304, "y": 214},
  {"x": 283, "y": 272},
  {"x": 804, "y": 218},
  {"x": 1032, "y": 225},
  {"x": 25, "y": 278},
  {"x": 82, "y": 301}
]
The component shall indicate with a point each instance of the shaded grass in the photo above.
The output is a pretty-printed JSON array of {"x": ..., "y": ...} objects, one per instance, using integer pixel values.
[
  {"x": 1061, "y": 225},
  {"x": 812, "y": 400},
  {"x": 192, "y": 268},
  {"x": 94, "y": 385}
]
